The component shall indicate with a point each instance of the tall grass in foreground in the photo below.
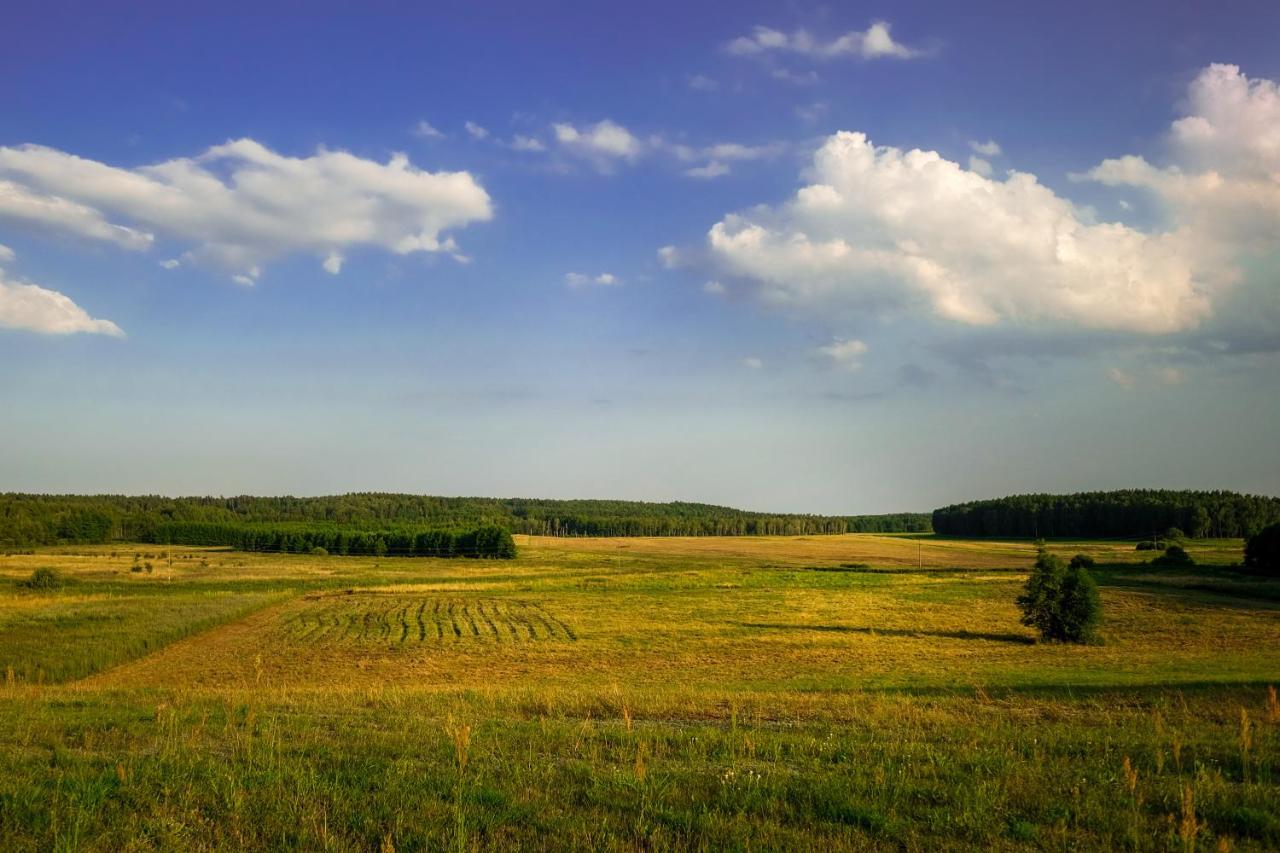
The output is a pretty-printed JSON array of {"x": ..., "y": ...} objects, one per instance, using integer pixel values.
[{"x": 263, "y": 769}]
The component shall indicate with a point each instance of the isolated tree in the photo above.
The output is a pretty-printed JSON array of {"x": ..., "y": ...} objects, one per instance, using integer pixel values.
[
  {"x": 1061, "y": 601},
  {"x": 1262, "y": 551},
  {"x": 1079, "y": 606}
]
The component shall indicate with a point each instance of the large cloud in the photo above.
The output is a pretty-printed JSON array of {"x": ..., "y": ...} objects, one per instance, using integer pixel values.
[
  {"x": 241, "y": 204},
  {"x": 881, "y": 227},
  {"x": 1223, "y": 181},
  {"x": 36, "y": 309}
]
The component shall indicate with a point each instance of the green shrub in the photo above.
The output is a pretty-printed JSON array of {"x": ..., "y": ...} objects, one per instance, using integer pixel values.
[
  {"x": 1150, "y": 545},
  {"x": 43, "y": 578},
  {"x": 1174, "y": 555},
  {"x": 1060, "y": 601},
  {"x": 1262, "y": 551},
  {"x": 319, "y": 552},
  {"x": 1082, "y": 561}
]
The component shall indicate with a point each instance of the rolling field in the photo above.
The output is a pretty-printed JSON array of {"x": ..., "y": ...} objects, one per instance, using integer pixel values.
[{"x": 841, "y": 692}]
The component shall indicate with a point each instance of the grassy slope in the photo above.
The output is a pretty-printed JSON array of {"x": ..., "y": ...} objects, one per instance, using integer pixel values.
[{"x": 831, "y": 691}]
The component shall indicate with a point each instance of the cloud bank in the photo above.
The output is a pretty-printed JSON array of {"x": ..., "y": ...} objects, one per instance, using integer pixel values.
[{"x": 241, "y": 205}]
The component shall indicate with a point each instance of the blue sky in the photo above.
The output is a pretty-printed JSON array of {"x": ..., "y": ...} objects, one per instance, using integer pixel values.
[{"x": 850, "y": 258}]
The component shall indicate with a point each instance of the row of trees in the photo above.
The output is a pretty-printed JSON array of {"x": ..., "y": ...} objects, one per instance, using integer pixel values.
[
  {"x": 28, "y": 520},
  {"x": 1132, "y": 512},
  {"x": 489, "y": 542}
]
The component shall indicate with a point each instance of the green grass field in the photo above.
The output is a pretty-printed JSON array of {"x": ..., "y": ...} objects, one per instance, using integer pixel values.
[{"x": 841, "y": 692}]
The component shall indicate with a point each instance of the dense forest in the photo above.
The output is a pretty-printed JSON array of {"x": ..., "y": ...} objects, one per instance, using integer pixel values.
[
  {"x": 1120, "y": 514},
  {"x": 27, "y": 520},
  {"x": 488, "y": 542}
]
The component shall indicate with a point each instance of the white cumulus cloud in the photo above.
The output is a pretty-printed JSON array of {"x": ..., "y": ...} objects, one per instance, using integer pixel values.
[
  {"x": 879, "y": 226},
  {"x": 603, "y": 143},
  {"x": 32, "y": 308},
  {"x": 240, "y": 204},
  {"x": 45, "y": 211},
  {"x": 476, "y": 131},
  {"x": 1222, "y": 185}
]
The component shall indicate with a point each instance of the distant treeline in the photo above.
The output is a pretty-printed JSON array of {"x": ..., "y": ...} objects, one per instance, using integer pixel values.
[
  {"x": 1128, "y": 513},
  {"x": 488, "y": 542},
  {"x": 27, "y": 520}
]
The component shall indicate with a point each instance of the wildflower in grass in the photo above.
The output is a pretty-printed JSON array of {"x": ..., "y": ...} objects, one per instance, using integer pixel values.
[
  {"x": 1130, "y": 776},
  {"x": 1246, "y": 741},
  {"x": 1188, "y": 826}
]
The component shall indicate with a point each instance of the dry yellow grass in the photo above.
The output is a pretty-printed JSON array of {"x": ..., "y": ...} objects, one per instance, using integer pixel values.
[{"x": 738, "y": 615}]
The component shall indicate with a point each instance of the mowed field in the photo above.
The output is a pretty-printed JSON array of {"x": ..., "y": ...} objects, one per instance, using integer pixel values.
[{"x": 841, "y": 692}]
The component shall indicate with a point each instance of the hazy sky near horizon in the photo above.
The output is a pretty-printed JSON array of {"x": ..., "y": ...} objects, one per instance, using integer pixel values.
[{"x": 833, "y": 258}]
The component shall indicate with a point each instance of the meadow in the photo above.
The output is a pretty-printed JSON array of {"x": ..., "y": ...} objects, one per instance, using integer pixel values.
[{"x": 840, "y": 692}]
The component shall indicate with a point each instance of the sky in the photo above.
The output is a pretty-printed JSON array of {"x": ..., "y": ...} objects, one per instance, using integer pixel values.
[{"x": 846, "y": 258}]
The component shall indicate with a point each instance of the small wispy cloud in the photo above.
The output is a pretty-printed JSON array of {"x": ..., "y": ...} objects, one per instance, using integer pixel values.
[
  {"x": 845, "y": 353},
  {"x": 604, "y": 279},
  {"x": 520, "y": 142},
  {"x": 875, "y": 42},
  {"x": 426, "y": 130},
  {"x": 990, "y": 148}
]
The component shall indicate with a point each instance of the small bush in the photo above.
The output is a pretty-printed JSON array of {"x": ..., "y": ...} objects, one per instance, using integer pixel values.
[
  {"x": 1174, "y": 555},
  {"x": 1174, "y": 534},
  {"x": 1060, "y": 601},
  {"x": 1150, "y": 545},
  {"x": 43, "y": 578},
  {"x": 319, "y": 552},
  {"x": 1262, "y": 551},
  {"x": 1082, "y": 561}
]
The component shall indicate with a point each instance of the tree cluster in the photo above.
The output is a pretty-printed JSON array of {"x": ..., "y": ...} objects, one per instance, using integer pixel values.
[
  {"x": 1262, "y": 551},
  {"x": 488, "y": 542},
  {"x": 1061, "y": 600},
  {"x": 1119, "y": 514}
]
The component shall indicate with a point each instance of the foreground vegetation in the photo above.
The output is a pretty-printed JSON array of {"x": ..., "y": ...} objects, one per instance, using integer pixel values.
[{"x": 832, "y": 692}]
